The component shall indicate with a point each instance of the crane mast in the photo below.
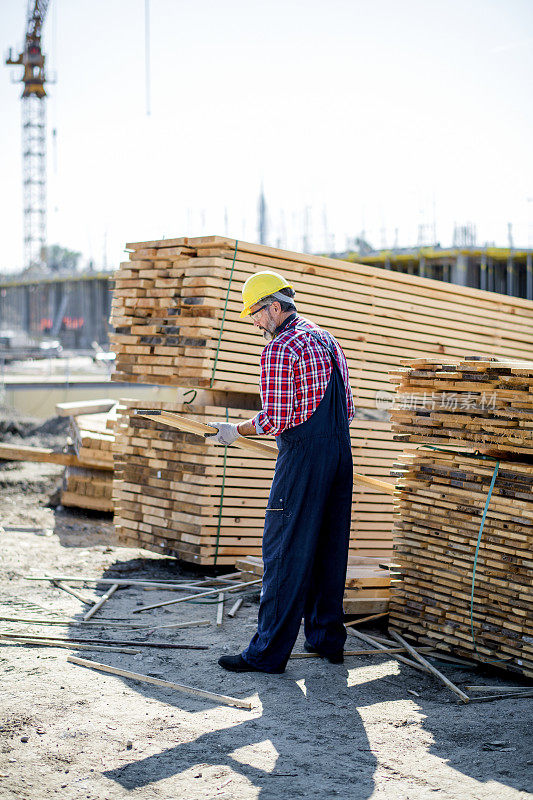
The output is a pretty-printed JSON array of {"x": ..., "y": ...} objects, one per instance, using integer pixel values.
[{"x": 33, "y": 134}]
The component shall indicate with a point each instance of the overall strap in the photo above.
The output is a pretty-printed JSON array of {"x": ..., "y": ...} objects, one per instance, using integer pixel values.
[{"x": 328, "y": 347}]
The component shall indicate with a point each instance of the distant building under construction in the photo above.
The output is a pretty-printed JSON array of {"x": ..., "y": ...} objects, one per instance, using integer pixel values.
[{"x": 496, "y": 269}]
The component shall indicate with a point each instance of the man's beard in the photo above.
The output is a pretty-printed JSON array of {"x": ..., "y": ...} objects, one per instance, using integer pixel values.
[{"x": 268, "y": 332}]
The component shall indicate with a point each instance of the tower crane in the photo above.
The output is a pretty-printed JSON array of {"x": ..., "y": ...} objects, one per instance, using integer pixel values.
[{"x": 33, "y": 133}]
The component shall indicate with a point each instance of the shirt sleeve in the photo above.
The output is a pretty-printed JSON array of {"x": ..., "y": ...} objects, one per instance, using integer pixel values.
[{"x": 277, "y": 389}]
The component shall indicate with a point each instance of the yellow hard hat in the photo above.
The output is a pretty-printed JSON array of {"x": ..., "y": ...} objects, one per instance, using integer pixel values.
[{"x": 261, "y": 285}]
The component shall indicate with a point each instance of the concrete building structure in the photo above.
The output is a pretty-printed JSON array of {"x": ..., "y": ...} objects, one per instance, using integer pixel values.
[{"x": 495, "y": 269}]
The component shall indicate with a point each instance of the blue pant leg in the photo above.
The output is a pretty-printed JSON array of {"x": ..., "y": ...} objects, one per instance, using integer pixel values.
[
  {"x": 324, "y": 627},
  {"x": 289, "y": 543}
]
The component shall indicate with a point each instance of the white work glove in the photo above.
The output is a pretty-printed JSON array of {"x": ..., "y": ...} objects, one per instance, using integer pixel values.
[{"x": 226, "y": 434}]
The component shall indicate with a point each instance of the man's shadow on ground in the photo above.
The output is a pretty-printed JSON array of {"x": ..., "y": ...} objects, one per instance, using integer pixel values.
[
  {"x": 311, "y": 718},
  {"x": 320, "y": 739}
]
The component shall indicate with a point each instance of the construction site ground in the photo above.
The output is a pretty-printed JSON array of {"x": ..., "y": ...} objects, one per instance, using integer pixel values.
[{"x": 370, "y": 728}]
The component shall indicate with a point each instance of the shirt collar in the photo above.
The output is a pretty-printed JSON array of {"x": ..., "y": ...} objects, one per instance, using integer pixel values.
[{"x": 285, "y": 324}]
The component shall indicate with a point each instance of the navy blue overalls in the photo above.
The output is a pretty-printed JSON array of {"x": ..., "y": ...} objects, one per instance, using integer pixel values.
[{"x": 306, "y": 534}]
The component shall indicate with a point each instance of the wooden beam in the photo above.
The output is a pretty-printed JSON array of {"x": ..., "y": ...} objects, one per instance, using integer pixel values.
[
  {"x": 135, "y": 676},
  {"x": 434, "y": 671},
  {"x": 200, "y": 428}
]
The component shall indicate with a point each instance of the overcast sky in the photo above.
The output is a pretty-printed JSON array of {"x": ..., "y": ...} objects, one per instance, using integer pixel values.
[{"x": 375, "y": 115}]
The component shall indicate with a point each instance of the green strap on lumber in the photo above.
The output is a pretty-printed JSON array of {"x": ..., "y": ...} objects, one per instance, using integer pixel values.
[
  {"x": 475, "y": 454},
  {"x": 493, "y": 481},
  {"x": 193, "y": 398},
  {"x": 223, "y": 486},
  {"x": 478, "y": 543},
  {"x": 223, "y": 316}
]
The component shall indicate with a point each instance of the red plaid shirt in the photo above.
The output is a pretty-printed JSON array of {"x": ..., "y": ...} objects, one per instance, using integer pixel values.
[{"x": 295, "y": 372}]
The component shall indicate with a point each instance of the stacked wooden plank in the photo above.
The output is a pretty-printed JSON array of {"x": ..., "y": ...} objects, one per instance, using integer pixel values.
[
  {"x": 169, "y": 487},
  {"x": 367, "y": 583},
  {"x": 442, "y": 495},
  {"x": 88, "y": 488},
  {"x": 172, "y": 320},
  {"x": 176, "y": 494},
  {"x": 440, "y": 503},
  {"x": 93, "y": 437},
  {"x": 89, "y": 483},
  {"x": 481, "y": 404},
  {"x": 176, "y": 312}
]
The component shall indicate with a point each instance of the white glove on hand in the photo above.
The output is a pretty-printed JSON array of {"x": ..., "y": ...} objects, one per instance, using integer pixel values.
[{"x": 226, "y": 434}]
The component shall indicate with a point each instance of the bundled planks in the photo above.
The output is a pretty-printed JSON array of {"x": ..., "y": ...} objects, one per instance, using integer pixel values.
[
  {"x": 87, "y": 488},
  {"x": 441, "y": 500},
  {"x": 173, "y": 324},
  {"x": 176, "y": 310},
  {"x": 89, "y": 483},
  {"x": 478, "y": 404},
  {"x": 176, "y": 493},
  {"x": 367, "y": 583},
  {"x": 93, "y": 438}
]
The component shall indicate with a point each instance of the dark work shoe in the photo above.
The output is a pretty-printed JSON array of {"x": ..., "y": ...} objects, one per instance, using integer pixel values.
[
  {"x": 236, "y": 664},
  {"x": 333, "y": 658}
]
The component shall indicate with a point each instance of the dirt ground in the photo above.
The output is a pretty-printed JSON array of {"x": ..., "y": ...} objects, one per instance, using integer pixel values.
[{"x": 370, "y": 728}]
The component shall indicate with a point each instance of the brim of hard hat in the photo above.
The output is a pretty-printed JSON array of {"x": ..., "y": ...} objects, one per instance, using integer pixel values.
[{"x": 247, "y": 311}]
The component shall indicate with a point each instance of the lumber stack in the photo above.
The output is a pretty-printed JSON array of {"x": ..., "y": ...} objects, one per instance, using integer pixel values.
[
  {"x": 169, "y": 300},
  {"x": 88, "y": 488},
  {"x": 93, "y": 437},
  {"x": 440, "y": 503},
  {"x": 89, "y": 482},
  {"x": 176, "y": 494},
  {"x": 367, "y": 582},
  {"x": 172, "y": 488},
  {"x": 442, "y": 494},
  {"x": 479, "y": 404},
  {"x": 176, "y": 308}
]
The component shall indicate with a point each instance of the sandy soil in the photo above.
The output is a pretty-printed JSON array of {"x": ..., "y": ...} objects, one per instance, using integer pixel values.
[{"x": 349, "y": 731}]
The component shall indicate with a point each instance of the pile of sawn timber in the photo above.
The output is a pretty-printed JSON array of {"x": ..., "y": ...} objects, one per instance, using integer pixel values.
[
  {"x": 483, "y": 404},
  {"x": 441, "y": 499},
  {"x": 93, "y": 440},
  {"x": 173, "y": 326},
  {"x": 176, "y": 494}
]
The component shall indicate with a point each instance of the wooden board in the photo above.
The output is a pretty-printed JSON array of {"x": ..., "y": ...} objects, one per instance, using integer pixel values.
[{"x": 440, "y": 506}]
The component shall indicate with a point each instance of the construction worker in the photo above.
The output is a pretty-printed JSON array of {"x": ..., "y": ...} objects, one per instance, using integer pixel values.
[{"x": 307, "y": 405}]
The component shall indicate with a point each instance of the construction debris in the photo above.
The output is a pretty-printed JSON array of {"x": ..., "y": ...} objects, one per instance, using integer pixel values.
[{"x": 135, "y": 676}]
